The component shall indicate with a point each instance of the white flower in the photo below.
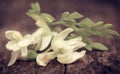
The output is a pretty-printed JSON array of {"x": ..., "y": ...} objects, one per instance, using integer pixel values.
[
  {"x": 59, "y": 42},
  {"x": 46, "y": 34},
  {"x": 66, "y": 48},
  {"x": 17, "y": 44},
  {"x": 37, "y": 36},
  {"x": 43, "y": 59},
  {"x": 71, "y": 57}
]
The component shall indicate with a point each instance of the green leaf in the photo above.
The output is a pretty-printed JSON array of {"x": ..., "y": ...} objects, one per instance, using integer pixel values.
[
  {"x": 57, "y": 29},
  {"x": 75, "y": 15},
  {"x": 99, "y": 23},
  {"x": 112, "y": 32},
  {"x": 86, "y": 23},
  {"x": 98, "y": 46},
  {"x": 35, "y": 8},
  {"x": 106, "y": 33},
  {"x": 100, "y": 32},
  {"x": 65, "y": 15},
  {"x": 88, "y": 47},
  {"x": 47, "y": 17},
  {"x": 36, "y": 15},
  {"x": 34, "y": 12},
  {"x": 85, "y": 32},
  {"x": 31, "y": 54},
  {"x": 87, "y": 40},
  {"x": 106, "y": 26}
]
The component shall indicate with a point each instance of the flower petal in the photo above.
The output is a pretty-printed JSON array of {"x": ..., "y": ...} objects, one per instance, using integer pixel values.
[
  {"x": 40, "y": 22},
  {"x": 29, "y": 37},
  {"x": 62, "y": 35},
  {"x": 11, "y": 45},
  {"x": 14, "y": 56},
  {"x": 43, "y": 58},
  {"x": 13, "y": 35},
  {"x": 54, "y": 33},
  {"x": 24, "y": 51},
  {"x": 45, "y": 42},
  {"x": 58, "y": 40},
  {"x": 73, "y": 44},
  {"x": 78, "y": 39},
  {"x": 24, "y": 42},
  {"x": 70, "y": 57},
  {"x": 79, "y": 45},
  {"x": 38, "y": 33}
]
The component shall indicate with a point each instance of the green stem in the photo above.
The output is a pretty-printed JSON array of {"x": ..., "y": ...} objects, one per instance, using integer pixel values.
[
  {"x": 57, "y": 23},
  {"x": 66, "y": 25}
]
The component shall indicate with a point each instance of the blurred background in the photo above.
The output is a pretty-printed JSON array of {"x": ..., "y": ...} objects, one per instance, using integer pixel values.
[{"x": 13, "y": 13}]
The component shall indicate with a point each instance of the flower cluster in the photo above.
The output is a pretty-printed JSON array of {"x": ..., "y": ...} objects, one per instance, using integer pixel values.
[
  {"x": 49, "y": 42},
  {"x": 64, "y": 50}
]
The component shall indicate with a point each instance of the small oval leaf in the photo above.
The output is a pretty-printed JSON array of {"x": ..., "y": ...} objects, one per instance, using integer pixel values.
[
  {"x": 99, "y": 46},
  {"x": 75, "y": 15}
]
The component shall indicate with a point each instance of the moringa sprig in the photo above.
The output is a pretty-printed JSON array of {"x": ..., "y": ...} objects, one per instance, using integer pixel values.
[{"x": 51, "y": 40}]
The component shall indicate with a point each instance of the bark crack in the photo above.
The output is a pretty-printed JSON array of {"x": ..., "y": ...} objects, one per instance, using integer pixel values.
[{"x": 65, "y": 68}]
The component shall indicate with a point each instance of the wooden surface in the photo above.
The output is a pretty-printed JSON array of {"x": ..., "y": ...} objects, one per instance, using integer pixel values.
[{"x": 12, "y": 16}]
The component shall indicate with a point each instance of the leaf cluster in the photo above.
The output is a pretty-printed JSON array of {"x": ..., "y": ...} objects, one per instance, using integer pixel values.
[
  {"x": 35, "y": 11},
  {"x": 85, "y": 28}
]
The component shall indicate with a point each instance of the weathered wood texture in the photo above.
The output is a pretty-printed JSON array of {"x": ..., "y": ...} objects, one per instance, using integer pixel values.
[{"x": 12, "y": 16}]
